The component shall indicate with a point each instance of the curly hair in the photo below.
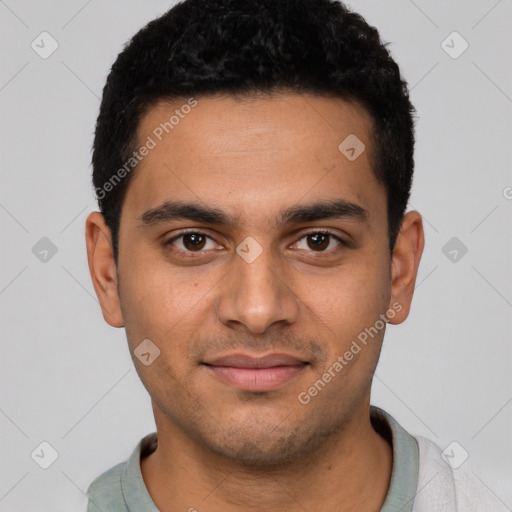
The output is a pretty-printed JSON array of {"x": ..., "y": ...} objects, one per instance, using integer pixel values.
[{"x": 239, "y": 47}]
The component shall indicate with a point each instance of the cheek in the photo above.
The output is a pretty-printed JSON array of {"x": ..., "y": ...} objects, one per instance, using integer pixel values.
[
  {"x": 162, "y": 302},
  {"x": 347, "y": 305},
  {"x": 354, "y": 293}
]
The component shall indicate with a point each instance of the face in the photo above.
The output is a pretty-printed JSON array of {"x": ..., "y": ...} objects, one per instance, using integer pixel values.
[{"x": 253, "y": 253}]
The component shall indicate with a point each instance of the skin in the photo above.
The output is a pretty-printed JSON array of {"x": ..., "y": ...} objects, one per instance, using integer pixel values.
[{"x": 221, "y": 448}]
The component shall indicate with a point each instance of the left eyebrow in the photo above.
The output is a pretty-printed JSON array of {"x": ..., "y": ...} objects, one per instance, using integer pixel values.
[{"x": 319, "y": 210}]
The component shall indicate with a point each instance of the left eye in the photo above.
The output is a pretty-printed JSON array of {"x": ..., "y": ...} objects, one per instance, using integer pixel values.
[{"x": 319, "y": 241}]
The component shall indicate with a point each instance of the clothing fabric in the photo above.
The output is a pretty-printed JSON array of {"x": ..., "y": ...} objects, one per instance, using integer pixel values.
[{"x": 421, "y": 480}]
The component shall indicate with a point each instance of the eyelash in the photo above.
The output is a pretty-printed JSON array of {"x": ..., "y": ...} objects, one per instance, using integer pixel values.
[{"x": 195, "y": 254}]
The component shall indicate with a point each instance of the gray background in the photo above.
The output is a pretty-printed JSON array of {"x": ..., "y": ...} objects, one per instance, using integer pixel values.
[{"x": 67, "y": 377}]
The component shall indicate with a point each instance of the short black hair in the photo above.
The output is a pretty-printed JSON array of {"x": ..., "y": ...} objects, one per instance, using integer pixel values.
[{"x": 241, "y": 47}]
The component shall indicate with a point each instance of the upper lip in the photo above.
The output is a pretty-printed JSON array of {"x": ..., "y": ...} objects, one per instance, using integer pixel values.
[{"x": 248, "y": 361}]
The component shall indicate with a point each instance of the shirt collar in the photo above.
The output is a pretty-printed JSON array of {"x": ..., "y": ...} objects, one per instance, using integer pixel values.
[
  {"x": 400, "y": 496},
  {"x": 404, "y": 475}
]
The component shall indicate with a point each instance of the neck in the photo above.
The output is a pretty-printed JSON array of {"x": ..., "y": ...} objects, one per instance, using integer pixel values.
[{"x": 350, "y": 471}]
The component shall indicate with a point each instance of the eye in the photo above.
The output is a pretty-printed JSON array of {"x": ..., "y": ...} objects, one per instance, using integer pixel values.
[
  {"x": 319, "y": 241},
  {"x": 191, "y": 242}
]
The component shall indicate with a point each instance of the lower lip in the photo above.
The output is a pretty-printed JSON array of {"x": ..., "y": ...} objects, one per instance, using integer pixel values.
[{"x": 256, "y": 379}]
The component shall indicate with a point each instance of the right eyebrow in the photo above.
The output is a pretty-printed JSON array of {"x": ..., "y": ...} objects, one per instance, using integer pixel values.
[{"x": 175, "y": 210}]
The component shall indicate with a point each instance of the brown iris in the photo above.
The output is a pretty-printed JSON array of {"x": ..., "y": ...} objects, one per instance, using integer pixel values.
[
  {"x": 193, "y": 241},
  {"x": 320, "y": 241}
]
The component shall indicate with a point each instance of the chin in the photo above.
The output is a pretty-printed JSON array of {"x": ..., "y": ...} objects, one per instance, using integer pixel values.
[
  {"x": 253, "y": 455},
  {"x": 270, "y": 448}
]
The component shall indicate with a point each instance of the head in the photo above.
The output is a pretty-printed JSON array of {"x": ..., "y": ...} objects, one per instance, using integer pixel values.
[{"x": 252, "y": 163}]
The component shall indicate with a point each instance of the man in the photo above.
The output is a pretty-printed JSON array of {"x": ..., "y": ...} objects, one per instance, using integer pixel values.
[{"x": 252, "y": 163}]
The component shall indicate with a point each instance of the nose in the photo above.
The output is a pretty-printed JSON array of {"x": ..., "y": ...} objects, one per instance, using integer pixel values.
[{"x": 257, "y": 294}]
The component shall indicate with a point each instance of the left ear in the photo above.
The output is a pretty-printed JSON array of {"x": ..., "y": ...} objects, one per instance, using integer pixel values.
[{"x": 404, "y": 264}]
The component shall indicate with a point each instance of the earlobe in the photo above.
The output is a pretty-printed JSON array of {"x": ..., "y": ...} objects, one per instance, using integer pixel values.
[
  {"x": 102, "y": 268},
  {"x": 405, "y": 262}
]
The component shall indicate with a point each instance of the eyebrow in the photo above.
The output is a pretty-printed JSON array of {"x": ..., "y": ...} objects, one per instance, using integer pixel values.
[{"x": 319, "y": 210}]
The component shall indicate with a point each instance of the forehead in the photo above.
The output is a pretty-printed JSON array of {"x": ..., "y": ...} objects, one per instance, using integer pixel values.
[
  {"x": 223, "y": 122},
  {"x": 243, "y": 154}
]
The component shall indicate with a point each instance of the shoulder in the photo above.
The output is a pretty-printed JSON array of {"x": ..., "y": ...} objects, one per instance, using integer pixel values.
[
  {"x": 121, "y": 488},
  {"x": 451, "y": 486},
  {"x": 105, "y": 493}
]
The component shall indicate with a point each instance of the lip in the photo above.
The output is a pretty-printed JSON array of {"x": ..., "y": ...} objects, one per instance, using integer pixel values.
[
  {"x": 249, "y": 373},
  {"x": 240, "y": 360}
]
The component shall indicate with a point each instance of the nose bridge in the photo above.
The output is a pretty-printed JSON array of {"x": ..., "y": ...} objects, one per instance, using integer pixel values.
[{"x": 256, "y": 293}]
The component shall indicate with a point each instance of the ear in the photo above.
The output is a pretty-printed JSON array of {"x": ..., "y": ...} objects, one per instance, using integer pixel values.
[
  {"x": 404, "y": 264},
  {"x": 103, "y": 268}
]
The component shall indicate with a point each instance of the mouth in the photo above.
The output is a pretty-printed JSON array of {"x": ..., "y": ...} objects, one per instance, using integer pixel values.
[{"x": 249, "y": 373}]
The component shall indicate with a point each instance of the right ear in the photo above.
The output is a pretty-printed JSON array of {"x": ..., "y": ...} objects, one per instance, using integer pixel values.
[{"x": 103, "y": 268}]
